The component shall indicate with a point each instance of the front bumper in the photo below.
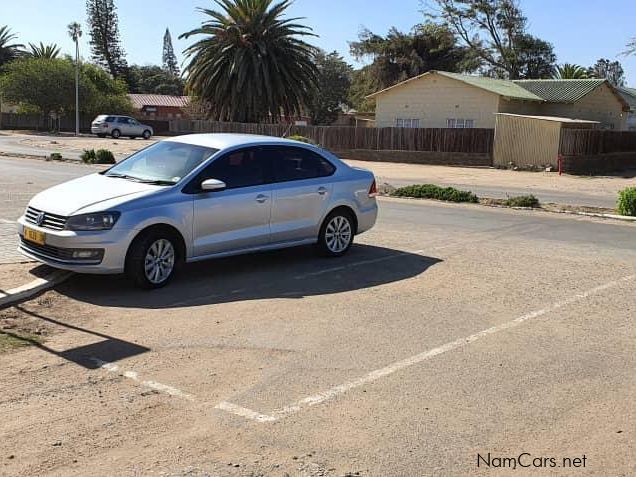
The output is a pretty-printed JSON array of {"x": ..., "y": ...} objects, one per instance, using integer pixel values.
[{"x": 57, "y": 251}]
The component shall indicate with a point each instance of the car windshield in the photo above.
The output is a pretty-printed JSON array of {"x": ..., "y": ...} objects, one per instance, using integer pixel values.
[{"x": 163, "y": 163}]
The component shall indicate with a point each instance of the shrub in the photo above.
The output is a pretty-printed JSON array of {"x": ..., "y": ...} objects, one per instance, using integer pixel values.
[
  {"x": 104, "y": 156},
  {"x": 431, "y": 191},
  {"x": 627, "y": 201},
  {"x": 88, "y": 156},
  {"x": 55, "y": 156},
  {"x": 522, "y": 201},
  {"x": 298, "y": 137}
]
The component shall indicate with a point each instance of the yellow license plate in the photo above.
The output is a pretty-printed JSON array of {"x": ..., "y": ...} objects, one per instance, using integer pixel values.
[{"x": 34, "y": 236}]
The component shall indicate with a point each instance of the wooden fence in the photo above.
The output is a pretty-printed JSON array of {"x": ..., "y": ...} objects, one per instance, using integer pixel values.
[
  {"x": 588, "y": 142},
  {"x": 337, "y": 138}
]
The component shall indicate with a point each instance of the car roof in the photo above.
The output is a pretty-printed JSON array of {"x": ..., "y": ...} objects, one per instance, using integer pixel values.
[{"x": 225, "y": 140}]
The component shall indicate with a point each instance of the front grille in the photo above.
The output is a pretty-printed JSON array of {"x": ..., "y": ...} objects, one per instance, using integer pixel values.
[
  {"x": 57, "y": 254},
  {"x": 50, "y": 221}
]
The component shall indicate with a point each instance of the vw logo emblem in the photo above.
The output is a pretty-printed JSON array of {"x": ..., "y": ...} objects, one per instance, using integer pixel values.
[{"x": 40, "y": 218}]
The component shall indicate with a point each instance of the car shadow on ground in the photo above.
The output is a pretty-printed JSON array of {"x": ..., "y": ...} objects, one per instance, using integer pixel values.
[
  {"x": 106, "y": 350},
  {"x": 291, "y": 273}
]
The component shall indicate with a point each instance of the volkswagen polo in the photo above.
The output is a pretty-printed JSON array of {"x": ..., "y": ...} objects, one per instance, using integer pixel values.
[{"x": 198, "y": 197}]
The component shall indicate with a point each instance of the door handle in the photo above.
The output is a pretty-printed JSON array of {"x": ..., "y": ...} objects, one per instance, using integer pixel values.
[
  {"x": 322, "y": 190},
  {"x": 260, "y": 198}
]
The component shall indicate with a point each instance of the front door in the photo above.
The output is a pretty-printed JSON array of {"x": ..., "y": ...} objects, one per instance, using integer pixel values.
[{"x": 238, "y": 217}]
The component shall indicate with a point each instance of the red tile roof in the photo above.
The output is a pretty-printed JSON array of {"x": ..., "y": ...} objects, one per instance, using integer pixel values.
[{"x": 141, "y": 100}]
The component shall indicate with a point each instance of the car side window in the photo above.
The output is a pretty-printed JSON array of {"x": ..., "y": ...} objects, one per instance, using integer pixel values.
[
  {"x": 296, "y": 163},
  {"x": 121, "y": 120},
  {"x": 241, "y": 168}
]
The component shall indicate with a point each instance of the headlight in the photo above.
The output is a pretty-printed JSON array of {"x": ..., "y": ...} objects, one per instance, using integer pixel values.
[{"x": 97, "y": 221}]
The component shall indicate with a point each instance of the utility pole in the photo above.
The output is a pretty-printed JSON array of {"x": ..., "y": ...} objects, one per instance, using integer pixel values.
[{"x": 75, "y": 32}]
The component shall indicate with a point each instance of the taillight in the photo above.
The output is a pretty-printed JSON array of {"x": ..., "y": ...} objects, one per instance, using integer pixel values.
[
  {"x": 373, "y": 190},
  {"x": 105, "y": 125}
]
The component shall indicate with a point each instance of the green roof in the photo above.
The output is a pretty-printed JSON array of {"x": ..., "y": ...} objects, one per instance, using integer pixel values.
[
  {"x": 629, "y": 95},
  {"x": 501, "y": 87},
  {"x": 549, "y": 90},
  {"x": 498, "y": 86},
  {"x": 560, "y": 91}
]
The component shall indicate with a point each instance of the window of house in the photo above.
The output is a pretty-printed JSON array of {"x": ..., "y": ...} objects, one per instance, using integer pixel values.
[
  {"x": 460, "y": 123},
  {"x": 407, "y": 123}
]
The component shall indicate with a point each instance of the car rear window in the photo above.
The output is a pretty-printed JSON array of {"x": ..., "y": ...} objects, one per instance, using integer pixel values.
[{"x": 109, "y": 119}]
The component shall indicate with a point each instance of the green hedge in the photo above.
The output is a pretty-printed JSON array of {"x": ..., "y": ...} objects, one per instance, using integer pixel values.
[
  {"x": 522, "y": 201},
  {"x": 101, "y": 156},
  {"x": 627, "y": 201},
  {"x": 431, "y": 191}
]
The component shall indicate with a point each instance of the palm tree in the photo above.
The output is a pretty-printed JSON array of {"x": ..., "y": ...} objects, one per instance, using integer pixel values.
[
  {"x": 8, "y": 51},
  {"x": 43, "y": 51},
  {"x": 569, "y": 71},
  {"x": 251, "y": 64}
]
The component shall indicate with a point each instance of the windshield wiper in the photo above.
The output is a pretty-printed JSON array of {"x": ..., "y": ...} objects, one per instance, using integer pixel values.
[
  {"x": 139, "y": 179},
  {"x": 122, "y": 176},
  {"x": 156, "y": 182}
]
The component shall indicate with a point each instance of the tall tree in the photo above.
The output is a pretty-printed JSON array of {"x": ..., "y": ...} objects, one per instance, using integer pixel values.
[
  {"x": 612, "y": 71},
  {"x": 362, "y": 85},
  {"x": 398, "y": 56},
  {"x": 570, "y": 71},
  {"x": 495, "y": 30},
  {"x": 631, "y": 47},
  {"x": 48, "y": 86},
  {"x": 43, "y": 51},
  {"x": 168, "y": 57},
  {"x": 252, "y": 63},
  {"x": 153, "y": 79},
  {"x": 334, "y": 80},
  {"x": 105, "y": 43},
  {"x": 8, "y": 51}
]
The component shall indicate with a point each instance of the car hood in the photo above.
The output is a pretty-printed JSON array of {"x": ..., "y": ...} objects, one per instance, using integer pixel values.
[{"x": 87, "y": 193}]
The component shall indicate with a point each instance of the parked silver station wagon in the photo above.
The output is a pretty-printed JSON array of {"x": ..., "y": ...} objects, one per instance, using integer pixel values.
[
  {"x": 117, "y": 126},
  {"x": 196, "y": 197}
]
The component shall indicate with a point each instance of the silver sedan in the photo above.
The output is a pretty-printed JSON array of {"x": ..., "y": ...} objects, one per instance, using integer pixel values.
[{"x": 197, "y": 197}]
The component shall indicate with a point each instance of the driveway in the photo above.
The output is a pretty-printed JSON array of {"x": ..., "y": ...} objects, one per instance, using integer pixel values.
[{"x": 447, "y": 333}]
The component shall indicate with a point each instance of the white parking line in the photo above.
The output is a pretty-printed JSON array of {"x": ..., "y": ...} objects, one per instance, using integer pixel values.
[
  {"x": 405, "y": 363},
  {"x": 163, "y": 388},
  {"x": 244, "y": 412}
]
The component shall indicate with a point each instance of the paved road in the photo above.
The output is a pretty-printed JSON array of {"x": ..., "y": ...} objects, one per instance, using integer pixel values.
[
  {"x": 447, "y": 332},
  {"x": 12, "y": 145}
]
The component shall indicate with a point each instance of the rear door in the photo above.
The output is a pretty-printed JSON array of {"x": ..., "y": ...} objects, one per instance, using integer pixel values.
[
  {"x": 302, "y": 190},
  {"x": 238, "y": 217}
]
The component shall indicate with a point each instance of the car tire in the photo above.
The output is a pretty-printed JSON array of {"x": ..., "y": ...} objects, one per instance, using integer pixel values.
[
  {"x": 116, "y": 134},
  {"x": 336, "y": 234},
  {"x": 146, "y": 135},
  {"x": 153, "y": 259}
]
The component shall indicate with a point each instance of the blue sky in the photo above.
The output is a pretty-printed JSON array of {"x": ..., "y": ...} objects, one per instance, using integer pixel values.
[{"x": 580, "y": 30}]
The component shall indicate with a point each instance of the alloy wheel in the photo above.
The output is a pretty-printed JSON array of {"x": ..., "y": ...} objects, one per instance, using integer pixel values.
[
  {"x": 159, "y": 261},
  {"x": 338, "y": 234}
]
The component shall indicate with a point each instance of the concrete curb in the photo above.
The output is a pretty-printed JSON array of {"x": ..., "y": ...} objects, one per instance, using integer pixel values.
[{"x": 33, "y": 288}]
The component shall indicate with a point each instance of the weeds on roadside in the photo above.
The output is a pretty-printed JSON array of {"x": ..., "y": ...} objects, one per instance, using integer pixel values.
[
  {"x": 522, "y": 201},
  {"x": 432, "y": 191},
  {"x": 627, "y": 201}
]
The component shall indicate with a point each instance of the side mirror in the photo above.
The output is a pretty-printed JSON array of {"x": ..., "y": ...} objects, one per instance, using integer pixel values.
[{"x": 211, "y": 185}]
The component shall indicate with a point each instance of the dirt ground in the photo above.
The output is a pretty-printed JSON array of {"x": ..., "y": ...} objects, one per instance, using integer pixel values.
[
  {"x": 183, "y": 381},
  {"x": 13, "y": 275},
  {"x": 79, "y": 144}
]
